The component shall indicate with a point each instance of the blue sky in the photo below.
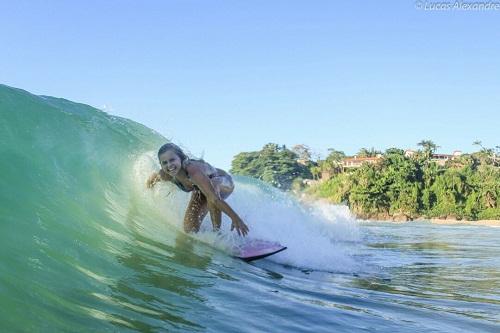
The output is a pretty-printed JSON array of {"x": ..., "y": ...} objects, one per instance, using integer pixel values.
[{"x": 221, "y": 77}]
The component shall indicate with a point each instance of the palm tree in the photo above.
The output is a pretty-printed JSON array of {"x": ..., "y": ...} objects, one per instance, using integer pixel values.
[
  {"x": 429, "y": 148},
  {"x": 372, "y": 152}
]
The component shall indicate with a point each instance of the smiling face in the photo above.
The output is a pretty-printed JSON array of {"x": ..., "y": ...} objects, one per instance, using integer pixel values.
[{"x": 170, "y": 162}]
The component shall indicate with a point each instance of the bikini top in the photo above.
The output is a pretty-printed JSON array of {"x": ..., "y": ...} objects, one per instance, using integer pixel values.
[
  {"x": 212, "y": 173},
  {"x": 182, "y": 187}
]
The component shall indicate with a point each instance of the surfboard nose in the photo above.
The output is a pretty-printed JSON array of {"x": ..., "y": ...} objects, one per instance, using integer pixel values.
[{"x": 257, "y": 249}]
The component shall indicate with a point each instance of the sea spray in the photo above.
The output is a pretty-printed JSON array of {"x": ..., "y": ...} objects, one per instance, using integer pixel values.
[{"x": 318, "y": 236}]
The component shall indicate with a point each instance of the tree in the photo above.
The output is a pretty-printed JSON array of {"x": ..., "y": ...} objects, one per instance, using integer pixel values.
[
  {"x": 315, "y": 171},
  {"x": 429, "y": 148},
  {"x": 488, "y": 155},
  {"x": 396, "y": 151},
  {"x": 363, "y": 152},
  {"x": 333, "y": 162},
  {"x": 302, "y": 151},
  {"x": 273, "y": 164}
]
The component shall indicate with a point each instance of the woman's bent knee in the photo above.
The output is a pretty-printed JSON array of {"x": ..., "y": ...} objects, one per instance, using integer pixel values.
[{"x": 191, "y": 227}]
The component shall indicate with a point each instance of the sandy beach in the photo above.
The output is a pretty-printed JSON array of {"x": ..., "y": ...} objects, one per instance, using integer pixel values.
[{"x": 490, "y": 223}]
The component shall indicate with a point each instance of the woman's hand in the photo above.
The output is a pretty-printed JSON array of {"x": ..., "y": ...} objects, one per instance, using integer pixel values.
[
  {"x": 152, "y": 180},
  {"x": 240, "y": 227}
]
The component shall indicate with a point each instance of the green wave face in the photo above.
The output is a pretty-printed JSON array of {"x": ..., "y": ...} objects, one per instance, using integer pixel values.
[
  {"x": 72, "y": 254},
  {"x": 84, "y": 246}
]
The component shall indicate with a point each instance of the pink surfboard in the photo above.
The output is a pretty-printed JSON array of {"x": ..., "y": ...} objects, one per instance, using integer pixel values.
[{"x": 257, "y": 249}]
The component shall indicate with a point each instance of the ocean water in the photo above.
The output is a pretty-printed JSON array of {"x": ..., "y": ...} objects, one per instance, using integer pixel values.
[{"x": 85, "y": 247}]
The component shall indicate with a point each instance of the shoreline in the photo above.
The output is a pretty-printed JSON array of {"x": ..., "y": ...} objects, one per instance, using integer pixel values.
[
  {"x": 307, "y": 199},
  {"x": 488, "y": 223}
]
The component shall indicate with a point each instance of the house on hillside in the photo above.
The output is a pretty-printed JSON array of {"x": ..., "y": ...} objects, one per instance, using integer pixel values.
[
  {"x": 409, "y": 153},
  {"x": 440, "y": 159},
  {"x": 356, "y": 162}
]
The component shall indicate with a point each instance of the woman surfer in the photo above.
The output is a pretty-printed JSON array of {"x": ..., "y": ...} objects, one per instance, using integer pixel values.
[{"x": 209, "y": 186}]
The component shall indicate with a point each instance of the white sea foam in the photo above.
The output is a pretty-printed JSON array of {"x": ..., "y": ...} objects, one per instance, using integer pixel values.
[{"x": 319, "y": 236}]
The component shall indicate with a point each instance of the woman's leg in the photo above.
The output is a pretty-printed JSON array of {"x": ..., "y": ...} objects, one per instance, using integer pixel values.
[
  {"x": 196, "y": 210},
  {"x": 216, "y": 217}
]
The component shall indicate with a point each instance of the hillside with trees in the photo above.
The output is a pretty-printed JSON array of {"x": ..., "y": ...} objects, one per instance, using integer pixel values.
[
  {"x": 398, "y": 186},
  {"x": 276, "y": 165}
]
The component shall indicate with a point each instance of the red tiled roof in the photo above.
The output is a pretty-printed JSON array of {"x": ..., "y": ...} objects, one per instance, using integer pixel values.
[{"x": 360, "y": 159}]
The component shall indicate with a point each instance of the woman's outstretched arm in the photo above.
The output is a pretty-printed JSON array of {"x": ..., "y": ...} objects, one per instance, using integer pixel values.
[{"x": 205, "y": 186}]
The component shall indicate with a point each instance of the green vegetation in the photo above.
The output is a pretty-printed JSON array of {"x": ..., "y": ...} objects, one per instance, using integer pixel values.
[
  {"x": 273, "y": 164},
  {"x": 395, "y": 187}
]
